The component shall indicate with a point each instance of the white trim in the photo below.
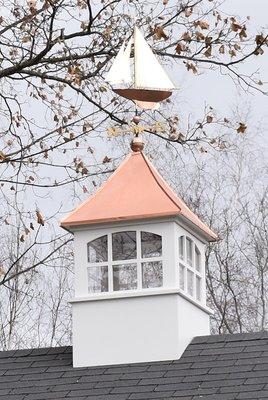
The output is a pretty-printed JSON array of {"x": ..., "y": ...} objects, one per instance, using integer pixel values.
[
  {"x": 137, "y": 293},
  {"x": 119, "y": 224}
]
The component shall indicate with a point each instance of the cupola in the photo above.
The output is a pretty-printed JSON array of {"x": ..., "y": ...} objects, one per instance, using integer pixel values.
[{"x": 140, "y": 290}]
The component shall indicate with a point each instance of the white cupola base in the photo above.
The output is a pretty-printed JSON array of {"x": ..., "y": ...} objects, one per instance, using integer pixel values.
[{"x": 135, "y": 328}]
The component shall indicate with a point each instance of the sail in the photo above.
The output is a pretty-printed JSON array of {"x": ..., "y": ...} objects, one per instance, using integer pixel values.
[
  {"x": 149, "y": 74},
  {"x": 120, "y": 72}
]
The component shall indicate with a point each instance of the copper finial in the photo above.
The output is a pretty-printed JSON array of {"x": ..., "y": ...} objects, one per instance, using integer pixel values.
[{"x": 137, "y": 144}]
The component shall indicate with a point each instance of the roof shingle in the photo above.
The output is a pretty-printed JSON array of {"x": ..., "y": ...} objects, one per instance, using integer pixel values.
[{"x": 220, "y": 367}]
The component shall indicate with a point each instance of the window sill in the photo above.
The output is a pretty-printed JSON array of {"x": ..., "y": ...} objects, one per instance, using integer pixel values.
[{"x": 139, "y": 293}]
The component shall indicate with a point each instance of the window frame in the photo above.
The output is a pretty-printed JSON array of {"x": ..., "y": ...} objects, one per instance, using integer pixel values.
[
  {"x": 196, "y": 270},
  {"x": 138, "y": 261}
]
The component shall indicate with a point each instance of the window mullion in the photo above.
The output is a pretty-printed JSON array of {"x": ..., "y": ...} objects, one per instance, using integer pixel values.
[
  {"x": 139, "y": 271},
  {"x": 110, "y": 263}
]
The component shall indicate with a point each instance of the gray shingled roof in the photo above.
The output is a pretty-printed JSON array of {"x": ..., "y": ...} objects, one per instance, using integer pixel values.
[{"x": 221, "y": 367}]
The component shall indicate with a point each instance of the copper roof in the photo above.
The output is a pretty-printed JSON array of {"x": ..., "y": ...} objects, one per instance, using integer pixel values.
[{"x": 134, "y": 191}]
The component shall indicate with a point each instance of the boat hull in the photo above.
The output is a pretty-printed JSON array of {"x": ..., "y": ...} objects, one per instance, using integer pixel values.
[{"x": 144, "y": 94}]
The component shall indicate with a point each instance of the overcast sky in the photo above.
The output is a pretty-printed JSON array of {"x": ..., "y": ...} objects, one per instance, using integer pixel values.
[{"x": 219, "y": 91}]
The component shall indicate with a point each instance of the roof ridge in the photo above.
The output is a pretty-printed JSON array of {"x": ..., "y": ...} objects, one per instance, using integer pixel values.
[
  {"x": 231, "y": 337},
  {"x": 151, "y": 168}
]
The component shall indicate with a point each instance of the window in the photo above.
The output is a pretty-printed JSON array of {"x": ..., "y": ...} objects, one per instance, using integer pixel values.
[
  {"x": 197, "y": 259},
  {"x": 97, "y": 279},
  {"x": 182, "y": 277},
  {"x": 189, "y": 251},
  {"x": 190, "y": 268},
  {"x": 124, "y": 245},
  {"x": 125, "y": 277},
  {"x": 97, "y": 250},
  {"x": 151, "y": 245},
  {"x": 152, "y": 274},
  {"x": 126, "y": 260}
]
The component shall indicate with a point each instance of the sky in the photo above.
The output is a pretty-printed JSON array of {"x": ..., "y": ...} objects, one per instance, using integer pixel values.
[{"x": 219, "y": 91}]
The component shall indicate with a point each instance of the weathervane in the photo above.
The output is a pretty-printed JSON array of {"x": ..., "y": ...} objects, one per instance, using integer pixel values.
[{"x": 144, "y": 81}]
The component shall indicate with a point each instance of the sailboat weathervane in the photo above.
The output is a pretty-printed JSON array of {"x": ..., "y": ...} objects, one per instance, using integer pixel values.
[{"x": 145, "y": 80}]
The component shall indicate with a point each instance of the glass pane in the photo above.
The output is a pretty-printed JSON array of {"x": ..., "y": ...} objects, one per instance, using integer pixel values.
[
  {"x": 181, "y": 247},
  {"x": 125, "y": 277},
  {"x": 189, "y": 251},
  {"x": 124, "y": 245},
  {"x": 97, "y": 250},
  {"x": 151, "y": 245},
  {"x": 182, "y": 277},
  {"x": 198, "y": 288},
  {"x": 190, "y": 282},
  {"x": 197, "y": 259},
  {"x": 97, "y": 279},
  {"x": 152, "y": 274}
]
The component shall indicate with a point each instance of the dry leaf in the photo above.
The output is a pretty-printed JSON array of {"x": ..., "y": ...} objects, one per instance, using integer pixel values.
[
  {"x": 208, "y": 52},
  {"x": 84, "y": 171},
  {"x": 40, "y": 219},
  {"x": 26, "y": 39},
  {"x": 180, "y": 48},
  {"x": 202, "y": 24},
  {"x": 188, "y": 12},
  {"x": 106, "y": 160},
  {"x": 191, "y": 67},
  {"x": 159, "y": 33},
  {"x": 186, "y": 37},
  {"x": 243, "y": 33},
  {"x": 241, "y": 128},
  {"x": 209, "y": 119},
  {"x": 222, "y": 49}
]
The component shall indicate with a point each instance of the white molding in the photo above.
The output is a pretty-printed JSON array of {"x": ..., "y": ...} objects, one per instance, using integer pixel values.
[
  {"x": 141, "y": 293},
  {"x": 119, "y": 224}
]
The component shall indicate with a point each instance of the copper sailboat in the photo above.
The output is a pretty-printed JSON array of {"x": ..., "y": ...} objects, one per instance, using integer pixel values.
[{"x": 144, "y": 81}]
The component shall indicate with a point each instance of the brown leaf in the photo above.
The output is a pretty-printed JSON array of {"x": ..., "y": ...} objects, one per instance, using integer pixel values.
[
  {"x": 2, "y": 271},
  {"x": 22, "y": 238},
  {"x": 188, "y": 12},
  {"x": 222, "y": 49},
  {"x": 241, "y": 128},
  {"x": 199, "y": 36},
  {"x": 84, "y": 171},
  {"x": 232, "y": 53},
  {"x": 40, "y": 219},
  {"x": 235, "y": 27},
  {"x": 243, "y": 33},
  {"x": 259, "y": 39},
  {"x": 159, "y": 33},
  {"x": 165, "y": 2},
  {"x": 186, "y": 37},
  {"x": 31, "y": 226},
  {"x": 106, "y": 160},
  {"x": 180, "y": 48},
  {"x": 208, "y": 52},
  {"x": 85, "y": 189},
  {"x": 202, "y": 24},
  {"x": 26, "y": 39},
  {"x": 191, "y": 67},
  {"x": 209, "y": 119}
]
